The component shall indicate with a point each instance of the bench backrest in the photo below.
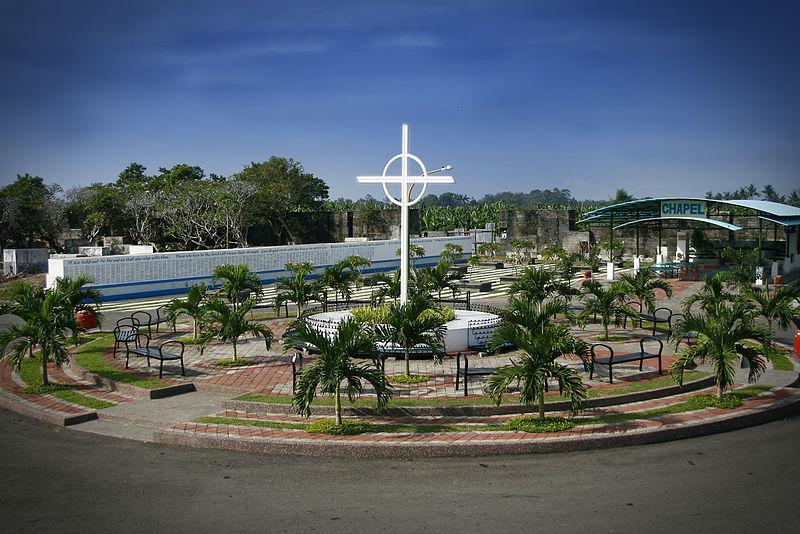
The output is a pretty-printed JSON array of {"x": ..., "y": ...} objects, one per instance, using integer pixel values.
[
  {"x": 172, "y": 347},
  {"x": 143, "y": 317},
  {"x": 140, "y": 341},
  {"x": 130, "y": 322},
  {"x": 665, "y": 312},
  {"x": 650, "y": 340},
  {"x": 601, "y": 347}
]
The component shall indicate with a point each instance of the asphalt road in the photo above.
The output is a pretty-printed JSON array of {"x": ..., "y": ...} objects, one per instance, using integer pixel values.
[{"x": 57, "y": 480}]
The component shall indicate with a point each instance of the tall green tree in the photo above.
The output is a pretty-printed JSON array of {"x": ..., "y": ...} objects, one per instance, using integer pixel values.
[
  {"x": 335, "y": 365},
  {"x": 32, "y": 212},
  {"x": 412, "y": 324},
  {"x": 282, "y": 187}
]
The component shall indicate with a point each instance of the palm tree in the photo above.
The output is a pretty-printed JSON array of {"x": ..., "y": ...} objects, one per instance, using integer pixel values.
[
  {"x": 386, "y": 286},
  {"x": 339, "y": 277},
  {"x": 452, "y": 252},
  {"x": 47, "y": 318},
  {"x": 720, "y": 334},
  {"x": 192, "y": 306},
  {"x": 538, "y": 285},
  {"x": 335, "y": 365},
  {"x": 236, "y": 281},
  {"x": 296, "y": 288},
  {"x": 643, "y": 285},
  {"x": 78, "y": 298},
  {"x": 407, "y": 325},
  {"x": 541, "y": 346},
  {"x": 532, "y": 314},
  {"x": 438, "y": 278},
  {"x": 606, "y": 302},
  {"x": 229, "y": 324},
  {"x": 357, "y": 264},
  {"x": 776, "y": 307},
  {"x": 711, "y": 295}
]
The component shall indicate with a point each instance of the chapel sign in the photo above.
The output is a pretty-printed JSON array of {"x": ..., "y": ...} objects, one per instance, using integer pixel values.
[{"x": 684, "y": 208}]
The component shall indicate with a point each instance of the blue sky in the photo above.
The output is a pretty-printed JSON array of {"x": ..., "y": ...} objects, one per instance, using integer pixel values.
[{"x": 657, "y": 97}]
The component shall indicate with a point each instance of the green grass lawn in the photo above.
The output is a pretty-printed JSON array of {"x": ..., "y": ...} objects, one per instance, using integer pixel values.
[
  {"x": 732, "y": 399},
  {"x": 399, "y": 402},
  {"x": 31, "y": 374},
  {"x": 780, "y": 361},
  {"x": 90, "y": 358}
]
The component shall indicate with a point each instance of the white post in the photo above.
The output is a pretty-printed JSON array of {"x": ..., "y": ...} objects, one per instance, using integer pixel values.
[
  {"x": 406, "y": 183},
  {"x": 759, "y": 276},
  {"x": 405, "y": 231},
  {"x": 773, "y": 272},
  {"x": 610, "y": 271},
  {"x": 637, "y": 263}
]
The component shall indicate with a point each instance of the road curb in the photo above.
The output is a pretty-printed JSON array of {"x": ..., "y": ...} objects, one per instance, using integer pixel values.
[{"x": 309, "y": 446}]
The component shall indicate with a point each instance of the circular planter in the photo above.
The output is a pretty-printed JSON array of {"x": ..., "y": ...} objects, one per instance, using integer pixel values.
[{"x": 86, "y": 319}]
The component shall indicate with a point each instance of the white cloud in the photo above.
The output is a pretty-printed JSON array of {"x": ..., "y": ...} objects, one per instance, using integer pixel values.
[{"x": 411, "y": 40}]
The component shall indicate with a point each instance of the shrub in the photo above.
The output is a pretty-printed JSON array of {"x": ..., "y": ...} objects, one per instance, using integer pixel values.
[
  {"x": 534, "y": 424},
  {"x": 347, "y": 428},
  {"x": 410, "y": 379},
  {"x": 379, "y": 315}
]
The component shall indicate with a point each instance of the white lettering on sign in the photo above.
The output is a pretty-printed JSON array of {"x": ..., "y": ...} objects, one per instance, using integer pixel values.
[{"x": 684, "y": 208}]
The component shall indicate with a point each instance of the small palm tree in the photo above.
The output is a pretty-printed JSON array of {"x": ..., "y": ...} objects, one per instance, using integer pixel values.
[
  {"x": 408, "y": 325},
  {"x": 438, "y": 278},
  {"x": 541, "y": 348},
  {"x": 387, "y": 285},
  {"x": 229, "y": 324},
  {"x": 720, "y": 334},
  {"x": 643, "y": 285},
  {"x": 357, "y": 264},
  {"x": 296, "y": 288},
  {"x": 606, "y": 302},
  {"x": 538, "y": 285},
  {"x": 711, "y": 294},
  {"x": 340, "y": 278},
  {"x": 533, "y": 315},
  {"x": 452, "y": 252},
  {"x": 192, "y": 306},
  {"x": 77, "y": 297},
  {"x": 778, "y": 307},
  {"x": 237, "y": 280},
  {"x": 47, "y": 319},
  {"x": 335, "y": 365}
]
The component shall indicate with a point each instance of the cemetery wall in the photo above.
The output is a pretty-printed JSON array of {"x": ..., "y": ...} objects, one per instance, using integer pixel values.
[{"x": 146, "y": 275}]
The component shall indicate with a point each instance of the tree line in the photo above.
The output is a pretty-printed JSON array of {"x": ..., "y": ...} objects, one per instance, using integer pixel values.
[{"x": 177, "y": 208}]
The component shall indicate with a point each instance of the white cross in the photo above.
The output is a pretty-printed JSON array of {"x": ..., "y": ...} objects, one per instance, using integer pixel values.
[{"x": 406, "y": 185}]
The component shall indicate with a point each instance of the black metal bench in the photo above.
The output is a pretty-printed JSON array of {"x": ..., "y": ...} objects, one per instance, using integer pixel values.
[
  {"x": 612, "y": 359},
  {"x": 146, "y": 351},
  {"x": 126, "y": 330},
  {"x": 664, "y": 318},
  {"x": 147, "y": 319},
  {"x": 468, "y": 371},
  {"x": 622, "y": 319},
  {"x": 676, "y": 319}
]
